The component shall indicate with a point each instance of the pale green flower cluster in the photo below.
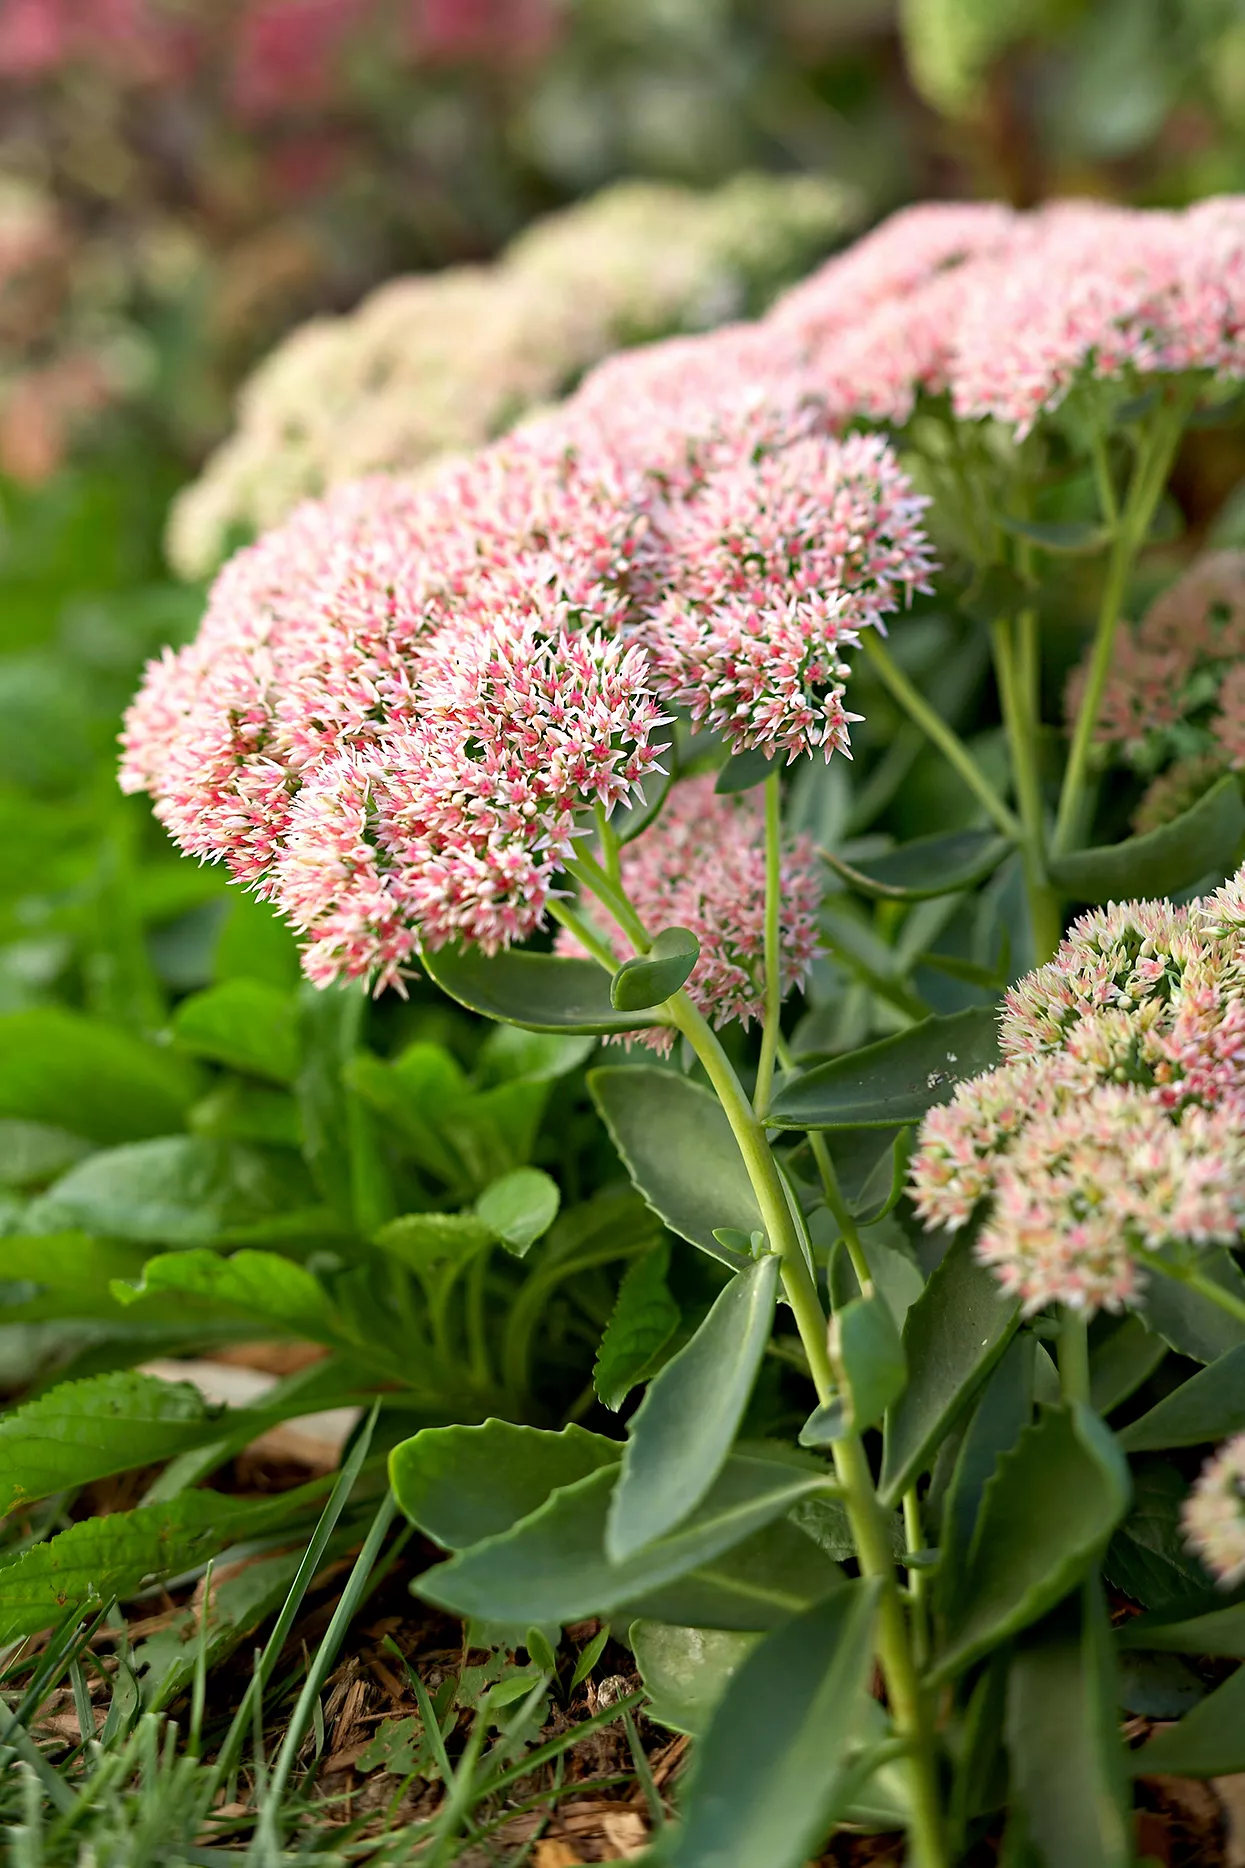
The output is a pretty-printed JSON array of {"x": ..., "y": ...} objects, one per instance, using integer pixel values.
[{"x": 441, "y": 362}]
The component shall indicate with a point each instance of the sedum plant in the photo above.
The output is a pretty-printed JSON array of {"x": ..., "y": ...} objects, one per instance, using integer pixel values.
[{"x": 549, "y": 730}]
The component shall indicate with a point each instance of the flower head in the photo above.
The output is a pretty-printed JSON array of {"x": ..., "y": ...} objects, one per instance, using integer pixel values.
[
  {"x": 1115, "y": 1128},
  {"x": 1214, "y": 1513},
  {"x": 702, "y": 866}
]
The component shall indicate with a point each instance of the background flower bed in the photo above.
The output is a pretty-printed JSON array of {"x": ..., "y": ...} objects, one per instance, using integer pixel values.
[{"x": 237, "y": 1137}]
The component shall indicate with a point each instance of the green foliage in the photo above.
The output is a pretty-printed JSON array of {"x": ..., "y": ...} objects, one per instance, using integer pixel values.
[
  {"x": 644, "y": 1318},
  {"x": 243, "y": 1023},
  {"x": 90, "y": 1429},
  {"x": 929, "y": 867},
  {"x": 1067, "y": 1767},
  {"x": 461, "y": 1485},
  {"x": 1045, "y": 1516},
  {"x": 87, "y": 1077},
  {"x": 519, "y": 1208},
  {"x": 761, "y": 1795},
  {"x": 543, "y": 992},
  {"x": 678, "y": 1148},
  {"x": 682, "y": 1433},
  {"x": 952, "y": 1336},
  {"x": 116, "y": 1556},
  {"x": 648, "y": 979},
  {"x": 554, "y": 1564},
  {"x": 1202, "y": 841},
  {"x": 893, "y": 1082},
  {"x": 686, "y": 1670}
]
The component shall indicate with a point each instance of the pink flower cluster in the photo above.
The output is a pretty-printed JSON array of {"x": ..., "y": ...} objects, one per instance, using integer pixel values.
[
  {"x": 702, "y": 866},
  {"x": 1115, "y": 1127},
  {"x": 1214, "y": 1513},
  {"x": 1005, "y": 313},
  {"x": 399, "y": 700}
]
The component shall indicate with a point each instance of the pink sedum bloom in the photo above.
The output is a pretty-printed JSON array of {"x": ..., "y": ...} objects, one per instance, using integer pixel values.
[
  {"x": 701, "y": 865},
  {"x": 1214, "y": 1514},
  {"x": 1115, "y": 1127}
]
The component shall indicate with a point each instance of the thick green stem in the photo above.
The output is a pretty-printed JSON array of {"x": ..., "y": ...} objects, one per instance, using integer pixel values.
[
  {"x": 753, "y": 1145},
  {"x": 609, "y": 847},
  {"x": 1074, "y": 1355},
  {"x": 1020, "y": 722},
  {"x": 1149, "y": 478},
  {"x": 914, "y": 1537},
  {"x": 772, "y": 1028},
  {"x": 840, "y": 1212},
  {"x": 588, "y": 938},
  {"x": 590, "y": 875},
  {"x": 944, "y": 737},
  {"x": 870, "y": 1533},
  {"x": 870, "y": 1528}
]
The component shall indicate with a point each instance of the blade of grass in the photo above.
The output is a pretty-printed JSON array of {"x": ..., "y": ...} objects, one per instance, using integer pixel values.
[
  {"x": 267, "y": 1839},
  {"x": 231, "y": 1750}
]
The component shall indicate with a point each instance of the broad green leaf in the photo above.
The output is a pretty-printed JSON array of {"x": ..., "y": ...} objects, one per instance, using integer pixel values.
[
  {"x": 893, "y": 1082},
  {"x": 520, "y": 1208},
  {"x": 509, "y": 1053},
  {"x": 1045, "y": 1516},
  {"x": 742, "y": 771},
  {"x": 79, "y": 1074},
  {"x": 644, "y": 1318},
  {"x": 677, "y": 1146},
  {"x": 683, "y": 1430},
  {"x": 686, "y": 1670},
  {"x": 552, "y": 1566},
  {"x": 1149, "y": 1557},
  {"x": 68, "y": 1274},
  {"x": 245, "y": 1024},
  {"x": 1119, "y": 1365},
  {"x": 761, "y": 1583},
  {"x": 1194, "y": 1325},
  {"x": 1003, "y": 1411},
  {"x": 1209, "y": 1406},
  {"x": 952, "y": 1337},
  {"x": 1207, "y": 1742},
  {"x": 255, "y": 944},
  {"x": 543, "y": 991},
  {"x": 650, "y": 978},
  {"x": 1218, "y": 1631},
  {"x": 118, "y": 1555},
  {"x": 777, "y": 1764},
  {"x": 1202, "y": 839},
  {"x": 34, "y": 1152},
  {"x": 175, "y": 1190},
  {"x": 422, "y": 1241},
  {"x": 415, "y": 1092},
  {"x": 868, "y": 1359},
  {"x": 931, "y": 866},
  {"x": 339, "y": 1141},
  {"x": 90, "y": 1429},
  {"x": 1067, "y": 1763},
  {"x": 241, "y": 1110},
  {"x": 275, "y": 1291},
  {"x": 461, "y": 1485},
  {"x": 1074, "y": 536}
]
